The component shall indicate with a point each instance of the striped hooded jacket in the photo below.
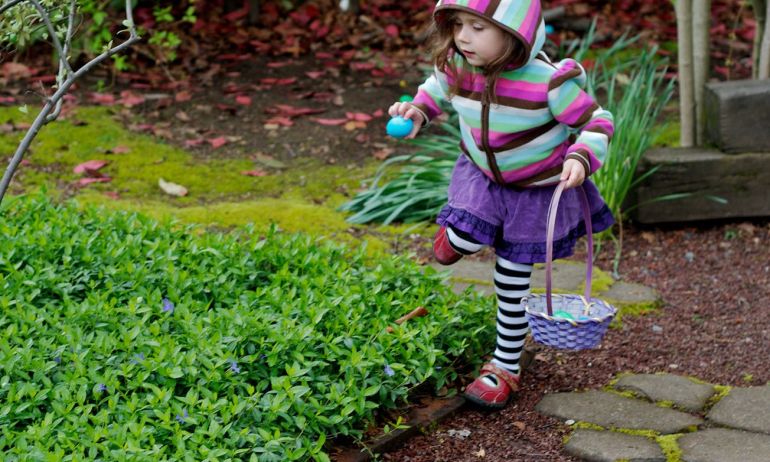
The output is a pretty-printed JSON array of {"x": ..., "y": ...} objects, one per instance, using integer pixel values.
[{"x": 540, "y": 115}]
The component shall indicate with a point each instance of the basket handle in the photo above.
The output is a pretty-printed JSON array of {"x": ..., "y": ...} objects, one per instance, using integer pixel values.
[{"x": 552, "y": 209}]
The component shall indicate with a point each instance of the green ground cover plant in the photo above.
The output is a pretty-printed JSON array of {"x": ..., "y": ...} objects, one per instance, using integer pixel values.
[{"x": 128, "y": 339}]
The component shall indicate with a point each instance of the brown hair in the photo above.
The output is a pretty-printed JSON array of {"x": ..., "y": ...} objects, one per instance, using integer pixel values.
[{"x": 443, "y": 51}]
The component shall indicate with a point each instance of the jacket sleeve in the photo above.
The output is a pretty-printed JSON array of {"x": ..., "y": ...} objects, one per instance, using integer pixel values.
[
  {"x": 430, "y": 94},
  {"x": 572, "y": 106}
]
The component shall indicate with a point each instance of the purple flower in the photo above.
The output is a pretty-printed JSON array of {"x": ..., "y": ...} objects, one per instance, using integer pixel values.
[
  {"x": 181, "y": 418},
  {"x": 234, "y": 367},
  {"x": 101, "y": 388},
  {"x": 57, "y": 359},
  {"x": 139, "y": 357},
  {"x": 389, "y": 371},
  {"x": 168, "y": 306}
]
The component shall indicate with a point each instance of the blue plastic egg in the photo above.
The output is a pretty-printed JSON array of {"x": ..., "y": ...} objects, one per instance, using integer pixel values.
[{"x": 399, "y": 127}]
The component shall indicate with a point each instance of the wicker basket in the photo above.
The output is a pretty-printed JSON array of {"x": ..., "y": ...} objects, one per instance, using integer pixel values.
[{"x": 569, "y": 322}]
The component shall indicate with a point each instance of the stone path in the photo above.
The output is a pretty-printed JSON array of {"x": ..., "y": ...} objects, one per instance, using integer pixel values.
[
  {"x": 644, "y": 418},
  {"x": 568, "y": 277},
  {"x": 657, "y": 418}
]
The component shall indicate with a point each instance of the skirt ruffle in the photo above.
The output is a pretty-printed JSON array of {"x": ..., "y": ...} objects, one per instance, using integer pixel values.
[{"x": 513, "y": 220}]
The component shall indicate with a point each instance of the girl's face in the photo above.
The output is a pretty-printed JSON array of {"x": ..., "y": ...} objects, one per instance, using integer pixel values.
[{"x": 480, "y": 41}]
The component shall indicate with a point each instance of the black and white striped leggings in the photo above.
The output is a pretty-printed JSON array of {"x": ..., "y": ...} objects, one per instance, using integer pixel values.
[{"x": 511, "y": 285}]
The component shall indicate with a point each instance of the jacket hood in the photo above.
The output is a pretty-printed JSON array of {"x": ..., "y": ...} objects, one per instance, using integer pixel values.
[{"x": 522, "y": 18}]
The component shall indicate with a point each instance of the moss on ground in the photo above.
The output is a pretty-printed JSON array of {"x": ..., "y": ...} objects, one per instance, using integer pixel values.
[{"x": 303, "y": 197}]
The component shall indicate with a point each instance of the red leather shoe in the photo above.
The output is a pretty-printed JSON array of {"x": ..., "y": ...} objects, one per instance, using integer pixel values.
[
  {"x": 482, "y": 393},
  {"x": 444, "y": 252}
]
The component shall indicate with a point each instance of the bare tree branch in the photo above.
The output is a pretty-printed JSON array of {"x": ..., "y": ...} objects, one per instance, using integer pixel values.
[
  {"x": 64, "y": 58},
  {"x": 8, "y": 5},
  {"x": 51, "y": 31},
  {"x": 52, "y": 106}
]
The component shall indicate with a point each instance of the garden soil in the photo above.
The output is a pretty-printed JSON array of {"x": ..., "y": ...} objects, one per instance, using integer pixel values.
[{"x": 714, "y": 325}]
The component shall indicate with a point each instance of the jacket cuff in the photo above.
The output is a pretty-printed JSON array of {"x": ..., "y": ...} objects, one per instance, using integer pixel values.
[
  {"x": 582, "y": 158},
  {"x": 425, "y": 118}
]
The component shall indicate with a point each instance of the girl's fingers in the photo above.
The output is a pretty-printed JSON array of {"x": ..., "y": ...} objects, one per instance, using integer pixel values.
[{"x": 417, "y": 121}]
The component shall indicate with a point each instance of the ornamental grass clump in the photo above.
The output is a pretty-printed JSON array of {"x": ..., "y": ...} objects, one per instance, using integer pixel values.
[{"x": 126, "y": 339}]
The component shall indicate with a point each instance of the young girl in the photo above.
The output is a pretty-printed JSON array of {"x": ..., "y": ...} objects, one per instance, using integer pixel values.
[{"x": 526, "y": 125}]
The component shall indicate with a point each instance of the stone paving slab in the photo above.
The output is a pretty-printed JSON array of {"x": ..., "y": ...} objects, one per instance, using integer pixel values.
[
  {"x": 605, "y": 446},
  {"x": 744, "y": 408},
  {"x": 630, "y": 293},
  {"x": 724, "y": 445},
  {"x": 683, "y": 392},
  {"x": 568, "y": 276},
  {"x": 610, "y": 410}
]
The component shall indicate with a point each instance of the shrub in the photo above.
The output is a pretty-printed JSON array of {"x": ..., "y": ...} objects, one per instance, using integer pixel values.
[{"x": 125, "y": 339}]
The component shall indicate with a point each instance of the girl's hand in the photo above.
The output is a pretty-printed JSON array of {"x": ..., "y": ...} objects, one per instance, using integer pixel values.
[
  {"x": 573, "y": 172},
  {"x": 408, "y": 111}
]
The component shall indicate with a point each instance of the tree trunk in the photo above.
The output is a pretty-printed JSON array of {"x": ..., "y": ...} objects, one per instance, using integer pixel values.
[
  {"x": 701, "y": 25},
  {"x": 759, "y": 7},
  {"x": 686, "y": 96},
  {"x": 764, "y": 49}
]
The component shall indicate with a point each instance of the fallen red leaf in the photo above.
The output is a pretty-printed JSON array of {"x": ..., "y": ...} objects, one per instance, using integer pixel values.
[
  {"x": 359, "y": 116},
  {"x": 378, "y": 113},
  {"x": 87, "y": 181},
  {"x": 237, "y": 14},
  {"x": 243, "y": 100},
  {"x": 227, "y": 108},
  {"x": 382, "y": 154},
  {"x": 285, "y": 121},
  {"x": 356, "y": 66},
  {"x": 90, "y": 166},
  {"x": 234, "y": 57},
  {"x": 275, "y": 81},
  {"x": 130, "y": 99},
  {"x": 194, "y": 142},
  {"x": 254, "y": 173},
  {"x": 330, "y": 122},
  {"x": 261, "y": 47},
  {"x": 106, "y": 99},
  {"x": 391, "y": 30},
  {"x": 315, "y": 74},
  {"x": 277, "y": 64},
  {"x": 15, "y": 71},
  {"x": 120, "y": 149},
  {"x": 182, "y": 96},
  {"x": 291, "y": 111},
  {"x": 217, "y": 142}
]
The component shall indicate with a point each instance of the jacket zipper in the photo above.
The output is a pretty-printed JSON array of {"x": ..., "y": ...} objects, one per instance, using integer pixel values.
[{"x": 491, "y": 161}]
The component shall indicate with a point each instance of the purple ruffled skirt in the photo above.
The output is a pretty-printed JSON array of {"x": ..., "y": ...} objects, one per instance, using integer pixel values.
[{"x": 513, "y": 220}]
